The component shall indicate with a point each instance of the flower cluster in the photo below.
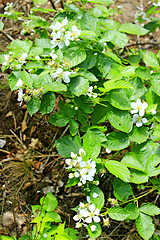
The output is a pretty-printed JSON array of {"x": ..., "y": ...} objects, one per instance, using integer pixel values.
[
  {"x": 61, "y": 36},
  {"x": 139, "y": 109},
  {"x": 8, "y": 8},
  {"x": 87, "y": 213},
  {"x": 84, "y": 170},
  {"x": 90, "y": 93},
  {"x": 16, "y": 63},
  {"x": 28, "y": 93}
]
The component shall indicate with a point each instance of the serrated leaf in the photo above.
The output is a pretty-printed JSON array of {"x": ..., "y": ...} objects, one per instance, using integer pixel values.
[
  {"x": 73, "y": 127},
  {"x": 59, "y": 119},
  {"x": 119, "y": 100},
  {"x": 120, "y": 39},
  {"x": 151, "y": 164},
  {"x": 82, "y": 117},
  {"x": 43, "y": 43},
  {"x": 132, "y": 161},
  {"x": 90, "y": 60},
  {"x": 13, "y": 79},
  {"x": 21, "y": 45},
  {"x": 118, "y": 169},
  {"x": 121, "y": 120},
  {"x": 105, "y": 2},
  {"x": 88, "y": 75},
  {"x": 27, "y": 79},
  {"x": 48, "y": 102},
  {"x": 110, "y": 85},
  {"x": 117, "y": 141},
  {"x": 33, "y": 106},
  {"x": 139, "y": 134},
  {"x": 128, "y": 71},
  {"x": 151, "y": 59},
  {"x": 75, "y": 56},
  {"x": 96, "y": 233},
  {"x": 68, "y": 144},
  {"x": 99, "y": 200},
  {"x": 50, "y": 202},
  {"x": 139, "y": 88},
  {"x": 79, "y": 85},
  {"x": 72, "y": 182},
  {"x": 54, "y": 216},
  {"x": 150, "y": 209},
  {"x": 35, "y": 51},
  {"x": 155, "y": 81},
  {"x": 55, "y": 87},
  {"x": 132, "y": 209},
  {"x": 92, "y": 144},
  {"x": 99, "y": 115},
  {"x": 39, "y": 2},
  {"x": 132, "y": 29},
  {"x": 89, "y": 22},
  {"x": 122, "y": 190},
  {"x": 145, "y": 226},
  {"x": 118, "y": 213},
  {"x": 138, "y": 177},
  {"x": 103, "y": 64}
]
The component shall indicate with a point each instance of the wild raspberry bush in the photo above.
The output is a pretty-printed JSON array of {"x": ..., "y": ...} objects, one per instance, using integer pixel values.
[{"x": 77, "y": 56}]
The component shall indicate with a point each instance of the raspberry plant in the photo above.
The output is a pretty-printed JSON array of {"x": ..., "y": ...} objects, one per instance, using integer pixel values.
[{"x": 107, "y": 101}]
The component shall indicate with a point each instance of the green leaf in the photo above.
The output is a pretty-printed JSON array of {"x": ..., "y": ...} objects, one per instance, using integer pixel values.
[
  {"x": 117, "y": 141},
  {"x": 27, "y": 79},
  {"x": 90, "y": 60},
  {"x": 75, "y": 56},
  {"x": 78, "y": 85},
  {"x": 120, "y": 39},
  {"x": 96, "y": 233},
  {"x": 128, "y": 71},
  {"x": 68, "y": 144},
  {"x": 35, "y": 51},
  {"x": 132, "y": 29},
  {"x": 21, "y": 45},
  {"x": 99, "y": 115},
  {"x": 39, "y": 2},
  {"x": 89, "y": 22},
  {"x": 72, "y": 182},
  {"x": 119, "y": 100},
  {"x": 82, "y": 117},
  {"x": 54, "y": 216},
  {"x": 33, "y": 106},
  {"x": 145, "y": 226},
  {"x": 120, "y": 120},
  {"x": 152, "y": 162},
  {"x": 55, "y": 87},
  {"x": 118, "y": 213},
  {"x": 118, "y": 169},
  {"x": 1, "y": 25},
  {"x": 99, "y": 200},
  {"x": 155, "y": 81},
  {"x": 110, "y": 85},
  {"x": 88, "y": 75},
  {"x": 105, "y": 2},
  {"x": 151, "y": 59},
  {"x": 43, "y": 43},
  {"x": 122, "y": 190},
  {"x": 139, "y": 88},
  {"x": 156, "y": 133},
  {"x": 72, "y": 233},
  {"x": 59, "y": 119},
  {"x": 92, "y": 144},
  {"x": 73, "y": 127},
  {"x": 132, "y": 209},
  {"x": 50, "y": 202},
  {"x": 139, "y": 134},
  {"x": 138, "y": 177},
  {"x": 103, "y": 64},
  {"x": 48, "y": 102},
  {"x": 132, "y": 161},
  {"x": 13, "y": 79},
  {"x": 143, "y": 73},
  {"x": 150, "y": 209}
]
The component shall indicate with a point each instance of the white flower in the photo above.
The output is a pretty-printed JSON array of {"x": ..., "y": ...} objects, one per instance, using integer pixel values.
[
  {"x": 19, "y": 83},
  {"x": 7, "y": 58},
  {"x": 138, "y": 120},
  {"x": 90, "y": 93},
  {"x": 139, "y": 107},
  {"x": 60, "y": 39},
  {"x": 45, "y": 235},
  {"x": 93, "y": 228},
  {"x": 20, "y": 96},
  {"x": 88, "y": 199},
  {"x": 73, "y": 155},
  {"x": 71, "y": 175},
  {"x": 153, "y": 112},
  {"x": 108, "y": 151},
  {"x": 22, "y": 58},
  {"x": 106, "y": 222},
  {"x": 76, "y": 174},
  {"x": 53, "y": 55},
  {"x": 37, "y": 58},
  {"x": 93, "y": 214},
  {"x": 75, "y": 32},
  {"x": 60, "y": 75},
  {"x": 78, "y": 225},
  {"x": 81, "y": 152},
  {"x": 95, "y": 195}
]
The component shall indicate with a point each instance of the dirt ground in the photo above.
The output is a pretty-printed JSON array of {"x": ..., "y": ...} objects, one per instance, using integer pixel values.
[{"x": 31, "y": 165}]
